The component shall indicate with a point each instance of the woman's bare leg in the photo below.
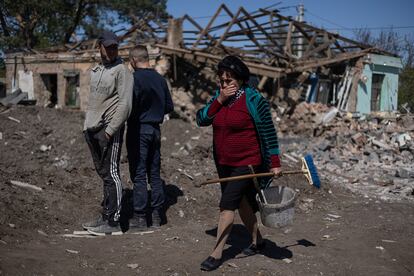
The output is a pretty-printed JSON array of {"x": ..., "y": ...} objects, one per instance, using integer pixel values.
[
  {"x": 250, "y": 221},
  {"x": 223, "y": 231}
]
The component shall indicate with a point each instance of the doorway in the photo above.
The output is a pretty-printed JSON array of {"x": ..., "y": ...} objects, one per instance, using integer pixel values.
[
  {"x": 377, "y": 80},
  {"x": 72, "y": 91},
  {"x": 50, "y": 89}
]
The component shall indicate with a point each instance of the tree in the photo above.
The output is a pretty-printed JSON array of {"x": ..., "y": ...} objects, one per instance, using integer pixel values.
[
  {"x": 42, "y": 23},
  {"x": 2, "y": 68},
  {"x": 406, "y": 88}
]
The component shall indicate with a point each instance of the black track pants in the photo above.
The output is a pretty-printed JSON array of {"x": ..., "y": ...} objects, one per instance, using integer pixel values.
[{"x": 106, "y": 155}]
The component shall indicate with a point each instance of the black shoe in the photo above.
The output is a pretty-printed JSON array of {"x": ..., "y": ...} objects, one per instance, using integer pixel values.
[
  {"x": 210, "y": 264},
  {"x": 253, "y": 249},
  {"x": 138, "y": 223},
  {"x": 95, "y": 223},
  {"x": 156, "y": 219},
  {"x": 105, "y": 229}
]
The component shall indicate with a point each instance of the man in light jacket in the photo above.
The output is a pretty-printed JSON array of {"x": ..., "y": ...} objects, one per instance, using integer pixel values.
[{"x": 109, "y": 105}]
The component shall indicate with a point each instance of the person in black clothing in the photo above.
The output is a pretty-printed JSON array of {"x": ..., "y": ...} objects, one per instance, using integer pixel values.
[{"x": 152, "y": 100}]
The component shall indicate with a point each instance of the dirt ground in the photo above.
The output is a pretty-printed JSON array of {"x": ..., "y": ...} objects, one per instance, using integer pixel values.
[{"x": 335, "y": 232}]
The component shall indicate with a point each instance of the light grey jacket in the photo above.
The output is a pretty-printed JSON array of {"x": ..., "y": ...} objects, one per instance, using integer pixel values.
[{"x": 110, "y": 97}]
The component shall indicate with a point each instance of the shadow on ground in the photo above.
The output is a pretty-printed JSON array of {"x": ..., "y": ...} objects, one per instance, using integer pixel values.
[
  {"x": 239, "y": 239},
  {"x": 172, "y": 192}
]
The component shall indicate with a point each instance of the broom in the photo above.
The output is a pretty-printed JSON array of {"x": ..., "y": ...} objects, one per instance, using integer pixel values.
[{"x": 308, "y": 170}]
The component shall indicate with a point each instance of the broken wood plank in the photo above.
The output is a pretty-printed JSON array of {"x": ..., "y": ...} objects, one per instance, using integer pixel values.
[
  {"x": 324, "y": 45},
  {"x": 261, "y": 29},
  {"x": 206, "y": 29},
  {"x": 25, "y": 185},
  {"x": 320, "y": 62},
  {"x": 86, "y": 234},
  {"x": 231, "y": 23},
  {"x": 78, "y": 236},
  {"x": 13, "y": 119},
  {"x": 13, "y": 98},
  {"x": 288, "y": 46}
]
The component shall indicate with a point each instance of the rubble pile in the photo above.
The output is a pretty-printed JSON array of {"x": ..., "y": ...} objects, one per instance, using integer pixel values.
[
  {"x": 303, "y": 120},
  {"x": 370, "y": 154},
  {"x": 184, "y": 107}
]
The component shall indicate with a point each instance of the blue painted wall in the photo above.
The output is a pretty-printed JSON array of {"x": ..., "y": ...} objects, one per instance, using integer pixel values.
[{"x": 388, "y": 66}]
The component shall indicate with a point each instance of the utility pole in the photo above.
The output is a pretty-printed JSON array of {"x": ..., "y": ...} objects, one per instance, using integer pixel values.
[{"x": 301, "y": 16}]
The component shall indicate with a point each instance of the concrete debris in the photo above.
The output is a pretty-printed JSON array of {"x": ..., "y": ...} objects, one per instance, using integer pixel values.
[
  {"x": 183, "y": 104},
  {"x": 405, "y": 173},
  {"x": 185, "y": 173},
  {"x": 359, "y": 139},
  {"x": 368, "y": 154},
  {"x": 306, "y": 204},
  {"x": 72, "y": 251},
  {"x": 381, "y": 145},
  {"x": 329, "y": 116},
  {"x": 388, "y": 241},
  {"x": 45, "y": 148},
  {"x": 42, "y": 233},
  {"x": 291, "y": 158},
  {"x": 25, "y": 185},
  {"x": 327, "y": 238},
  {"x": 333, "y": 216},
  {"x": 172, "y": 238},
  {"x": 286, "y": 260},
  {"x": 14, "y": 119}
]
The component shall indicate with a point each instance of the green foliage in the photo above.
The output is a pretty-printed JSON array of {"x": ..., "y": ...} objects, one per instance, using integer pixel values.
[
  {"x": 44, "y": 23},
  {"x": 2, "y": 68},
  {"x": 406, "y": 87}
]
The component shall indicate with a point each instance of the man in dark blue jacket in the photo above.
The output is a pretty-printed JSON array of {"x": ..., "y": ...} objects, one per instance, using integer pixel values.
[{"x": 152, "y": 100}]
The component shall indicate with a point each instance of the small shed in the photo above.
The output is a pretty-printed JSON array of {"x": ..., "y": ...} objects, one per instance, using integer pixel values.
[{"x": 378, "y": 85}]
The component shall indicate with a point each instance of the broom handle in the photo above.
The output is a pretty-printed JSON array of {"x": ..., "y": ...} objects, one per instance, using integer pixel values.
[
  {"x": 293, "y": 172},
  {"x": 239, "y": 177},
  {"x": 246, "y": 176}
]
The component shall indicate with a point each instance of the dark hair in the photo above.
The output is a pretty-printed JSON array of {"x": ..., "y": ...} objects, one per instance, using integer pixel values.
[
  {"x": 139, "y": 52},
  {"x": 235, "y": 66}
]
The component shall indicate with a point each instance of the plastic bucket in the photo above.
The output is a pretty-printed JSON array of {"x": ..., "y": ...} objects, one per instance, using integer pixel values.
[{"x": 280, "y": 207}]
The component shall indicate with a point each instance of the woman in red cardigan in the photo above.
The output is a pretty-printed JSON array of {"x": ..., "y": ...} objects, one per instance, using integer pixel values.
[{"x": 243, "y": 135}]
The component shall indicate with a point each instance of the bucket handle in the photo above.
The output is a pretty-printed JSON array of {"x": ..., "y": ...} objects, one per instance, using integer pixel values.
[{"x": 257, "y": 186}]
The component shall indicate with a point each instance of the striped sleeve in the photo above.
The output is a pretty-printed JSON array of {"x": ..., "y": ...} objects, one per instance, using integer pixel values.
[{"x": 268, "y": 133}]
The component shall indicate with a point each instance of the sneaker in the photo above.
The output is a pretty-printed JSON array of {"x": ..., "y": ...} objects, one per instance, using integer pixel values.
[
  {"x": 95, "y": 223},
  {"x": 105, "y": 229},
  {"x": 138, "y": 223},
  {"x": 156, "y": 219},
  {"x": 210, "y": 264},
  {"x": 253, "y": 249}
]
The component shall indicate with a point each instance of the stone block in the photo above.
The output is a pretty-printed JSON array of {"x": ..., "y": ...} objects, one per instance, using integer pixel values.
[
  {"x": 359, "y": 139},
  {"x": 404, "y": 173}
]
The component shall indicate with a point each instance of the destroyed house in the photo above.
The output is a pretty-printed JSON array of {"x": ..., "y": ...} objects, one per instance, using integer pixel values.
[{"x": 291, "y": 61}]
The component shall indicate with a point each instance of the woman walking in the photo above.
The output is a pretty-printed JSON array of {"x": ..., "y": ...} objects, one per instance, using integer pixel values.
[{"x": 243, "y": 135}]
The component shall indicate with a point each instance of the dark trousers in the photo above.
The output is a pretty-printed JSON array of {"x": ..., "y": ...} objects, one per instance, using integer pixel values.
[
  {"x": 106, "y": 154},
  {"x": 233, "y": 192},
  {"x": 144, "y": 159}
]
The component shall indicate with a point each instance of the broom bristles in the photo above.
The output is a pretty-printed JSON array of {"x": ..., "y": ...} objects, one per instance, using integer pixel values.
[{"x": 312, "y": 171}]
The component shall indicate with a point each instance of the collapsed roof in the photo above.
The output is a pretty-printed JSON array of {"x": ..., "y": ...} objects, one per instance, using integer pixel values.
[{"x": 271, "y": 44}]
